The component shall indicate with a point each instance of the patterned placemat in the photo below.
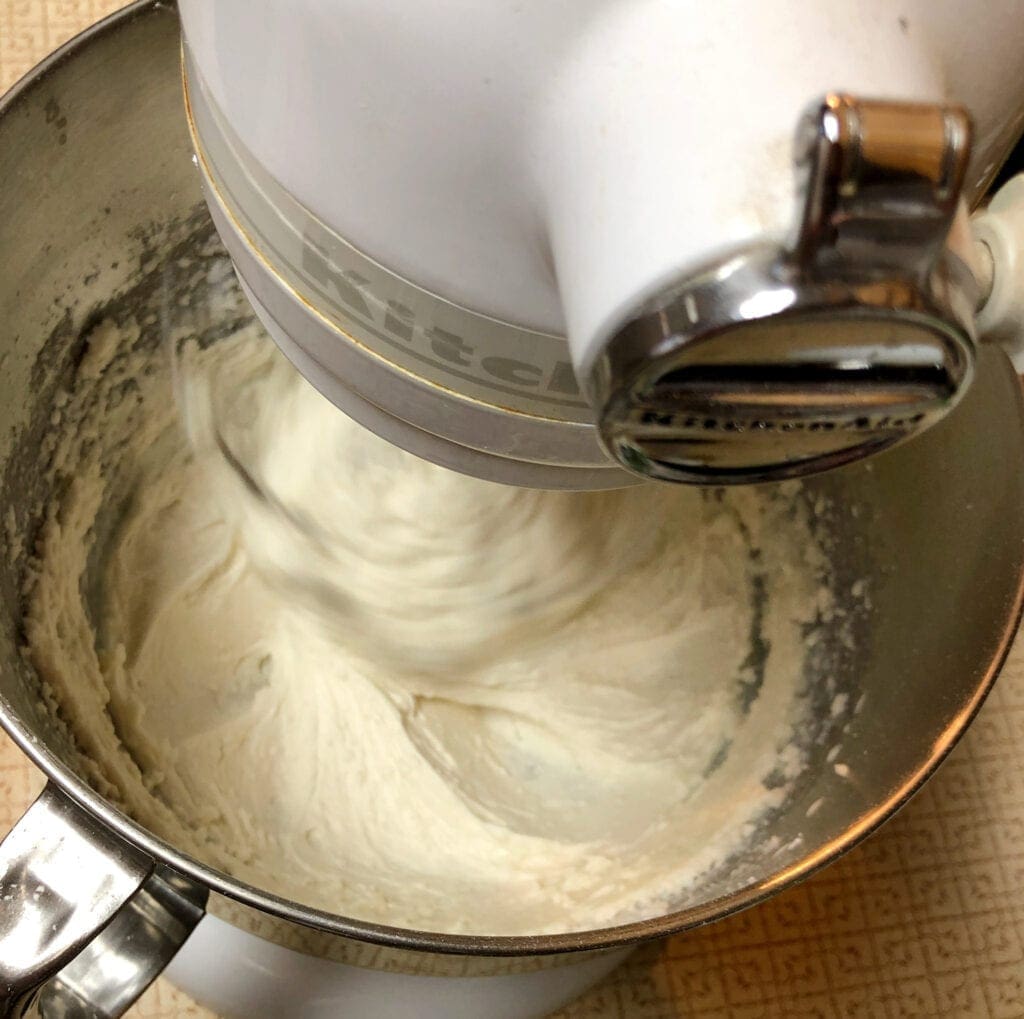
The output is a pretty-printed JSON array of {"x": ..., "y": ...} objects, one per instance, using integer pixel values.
[{"x": 925, "y": 919}]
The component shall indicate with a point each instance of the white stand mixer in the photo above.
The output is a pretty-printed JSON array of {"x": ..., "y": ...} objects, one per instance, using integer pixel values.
[
  {"x": 617, "y": 172},
  {"x": 424, "y": 202},
  {"x": 543, "y": 242}
]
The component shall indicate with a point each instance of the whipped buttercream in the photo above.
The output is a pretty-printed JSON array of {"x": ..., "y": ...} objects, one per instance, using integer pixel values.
[{"x": 398, "y": 693}]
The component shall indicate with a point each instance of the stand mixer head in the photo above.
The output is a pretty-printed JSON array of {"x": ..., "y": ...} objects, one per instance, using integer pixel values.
[{"x": 539, "y": 246}]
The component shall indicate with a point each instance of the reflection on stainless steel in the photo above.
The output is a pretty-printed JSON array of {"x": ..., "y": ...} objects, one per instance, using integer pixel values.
[
  {"x": 775, "y": 363},
  {"x": 934, "y": 528},
  {"x": 87, "y": 921}
]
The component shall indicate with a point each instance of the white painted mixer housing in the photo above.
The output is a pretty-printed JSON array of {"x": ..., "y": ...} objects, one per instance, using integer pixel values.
[{"x": 423, "y": 201}]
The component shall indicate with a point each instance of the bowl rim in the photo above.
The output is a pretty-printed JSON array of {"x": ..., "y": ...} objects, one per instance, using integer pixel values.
[{"x": 617, "y": 936}]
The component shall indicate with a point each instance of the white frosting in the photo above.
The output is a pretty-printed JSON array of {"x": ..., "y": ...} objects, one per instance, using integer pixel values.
[{"x": 399, "y": 693}]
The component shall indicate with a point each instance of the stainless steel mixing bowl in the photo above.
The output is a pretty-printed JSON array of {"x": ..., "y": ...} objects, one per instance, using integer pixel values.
[{"x": 99, "y": 205}]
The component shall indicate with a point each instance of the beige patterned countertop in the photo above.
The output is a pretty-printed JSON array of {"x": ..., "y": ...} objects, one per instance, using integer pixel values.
[{"x": 925, "y": 919}]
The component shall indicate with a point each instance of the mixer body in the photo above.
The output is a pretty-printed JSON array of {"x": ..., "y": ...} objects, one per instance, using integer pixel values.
[{"x": 542, "y": 243}]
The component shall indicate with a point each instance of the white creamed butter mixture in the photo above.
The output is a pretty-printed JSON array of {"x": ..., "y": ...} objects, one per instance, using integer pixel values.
[{"x": 396, "y": 692}]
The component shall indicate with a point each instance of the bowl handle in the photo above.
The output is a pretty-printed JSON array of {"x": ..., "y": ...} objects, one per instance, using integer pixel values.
[{"x": 87, "y": 921}]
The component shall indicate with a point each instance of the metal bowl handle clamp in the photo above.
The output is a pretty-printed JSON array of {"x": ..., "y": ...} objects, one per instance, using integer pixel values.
[{"x": 87, "y": 921}]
